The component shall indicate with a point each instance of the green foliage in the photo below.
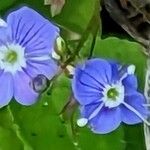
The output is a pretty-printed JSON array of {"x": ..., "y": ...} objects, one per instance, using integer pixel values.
[
  {"x": 8, "y": 137},
  {"x": 126, "y": 52},
  {"x": 76, "y": 14},
  {"x": 88, "y": 140},
  {"x": 39, "y": 127},
  {"x": 123, "y": 51},
  {"x": 6, "y": 4}
]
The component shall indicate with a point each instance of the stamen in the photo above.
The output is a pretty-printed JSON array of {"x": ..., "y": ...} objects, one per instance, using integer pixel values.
[
  {"x": 146, "y": 105},
  {"x": 82, "y": 122},
  {"x": 137, "y": 113},
  {"x": 96, "y": 111},
  {"x": 124, "y": 76},
  {"x": 131, "y": 69}
]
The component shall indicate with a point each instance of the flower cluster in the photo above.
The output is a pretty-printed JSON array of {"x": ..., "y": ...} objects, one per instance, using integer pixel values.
[
  {"x": 106, "y": 91},
  {"x": 26, "y": 43},
  {"x": 107, "y": 94}
]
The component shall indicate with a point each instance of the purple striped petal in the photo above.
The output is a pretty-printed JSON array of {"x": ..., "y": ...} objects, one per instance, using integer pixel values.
[
  {"x": 32, "y": 31},
  {"x": 23, "y": 92},
  {"x": 6, "y": 88}
]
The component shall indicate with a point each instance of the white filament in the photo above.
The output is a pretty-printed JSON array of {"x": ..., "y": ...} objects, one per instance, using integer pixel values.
[
  {"x": 130, "y": 70},
  {"x": 137, "y": 113},
  {"x": 146, "y": 105},
  {"x": 96, "y": 111}
]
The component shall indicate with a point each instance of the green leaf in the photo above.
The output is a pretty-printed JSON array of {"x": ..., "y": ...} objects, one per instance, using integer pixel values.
[
  {"x": 8, "y": 137},
  {"x": 76, "y": 14},
  {"x": 56, "y": 6},
  {"x": 39, "y": 125},
  {"x": 6, "y": 3},
  {"x": 89, "y": 140},
  {"x": 127, "y": 53}
]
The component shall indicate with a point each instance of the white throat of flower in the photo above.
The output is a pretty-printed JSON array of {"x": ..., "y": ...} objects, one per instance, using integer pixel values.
[
  {"x": 3, "y": 23},
  {"x": 113, "y": 96},
  {"x": 12, "y": 58}
]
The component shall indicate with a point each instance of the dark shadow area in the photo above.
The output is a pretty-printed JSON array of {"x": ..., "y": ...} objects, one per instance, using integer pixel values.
[{"x": 110, "y": 27}]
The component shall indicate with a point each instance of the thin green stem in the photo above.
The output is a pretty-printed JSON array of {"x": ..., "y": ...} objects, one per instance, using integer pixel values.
[{"x": 91, "y": 28}]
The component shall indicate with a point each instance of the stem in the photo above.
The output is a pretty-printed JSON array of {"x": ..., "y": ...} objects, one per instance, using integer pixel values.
[
  {"x": 92, "y": 46},
  {"x": 16, "y": 128},
  {"x": 91, "y": 28}
]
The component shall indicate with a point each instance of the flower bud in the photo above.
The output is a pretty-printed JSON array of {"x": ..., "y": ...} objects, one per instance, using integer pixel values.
[
  {"x": 60, "y": 46},
  {"x": 55, "y": 55},
  {"x": 69, "y": 70},
  {"x": 39, "y": 83}
]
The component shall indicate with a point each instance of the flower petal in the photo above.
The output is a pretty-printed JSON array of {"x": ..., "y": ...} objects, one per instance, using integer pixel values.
[
  {"x": 86, "y": 89},
  {"x": 6, "y": 88},
  {"x": 89, "y": 80},
  {"x": 32, "y": 31},
  {"x": 136, "y": 101},
  {"x": 115, "y": 70},
  {"x": 106, "y": 121},
  {"x": 47, "y": 67},
  {"x": 99, "y": 69},
  {"x": 4, "y": 36},
  {"x": 87, "y": 110},
  {"x": 23, "y": 93},
  {"x": 130, "y": 84},
  {"x": 130, "y": 81}
]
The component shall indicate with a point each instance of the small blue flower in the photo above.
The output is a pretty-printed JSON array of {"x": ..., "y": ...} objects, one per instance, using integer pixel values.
[
  {"x": 26, "y": 43},
  {"x": 107, "y": 94}
]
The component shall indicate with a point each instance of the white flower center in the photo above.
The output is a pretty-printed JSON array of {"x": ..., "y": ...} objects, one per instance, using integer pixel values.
[
  {"x": 113, "y": 95},
  {"x": 3, "y": 23},
  {"x": 12, "y": 58}
]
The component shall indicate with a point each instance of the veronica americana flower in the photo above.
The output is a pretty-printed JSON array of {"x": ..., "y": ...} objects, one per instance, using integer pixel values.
[
  {"x": 26, "y": 42},
  {"x": 107, "y": 94}
]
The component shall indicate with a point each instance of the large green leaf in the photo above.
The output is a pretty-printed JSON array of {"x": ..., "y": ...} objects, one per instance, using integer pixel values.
[
  {"x": 89, "y": 140},
  {"x": 8, "y": 136},
  {"x": 76, "y": 14},
  {"x": 6, "y": 3},
  {"x": 39, "y": 125},
  {"x": 127, "y": 53}
]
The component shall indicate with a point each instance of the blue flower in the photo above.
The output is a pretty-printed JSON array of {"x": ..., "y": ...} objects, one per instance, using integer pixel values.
[
  {"x": 107, "y": 94},
  {"x": 26, "y": 43}
]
